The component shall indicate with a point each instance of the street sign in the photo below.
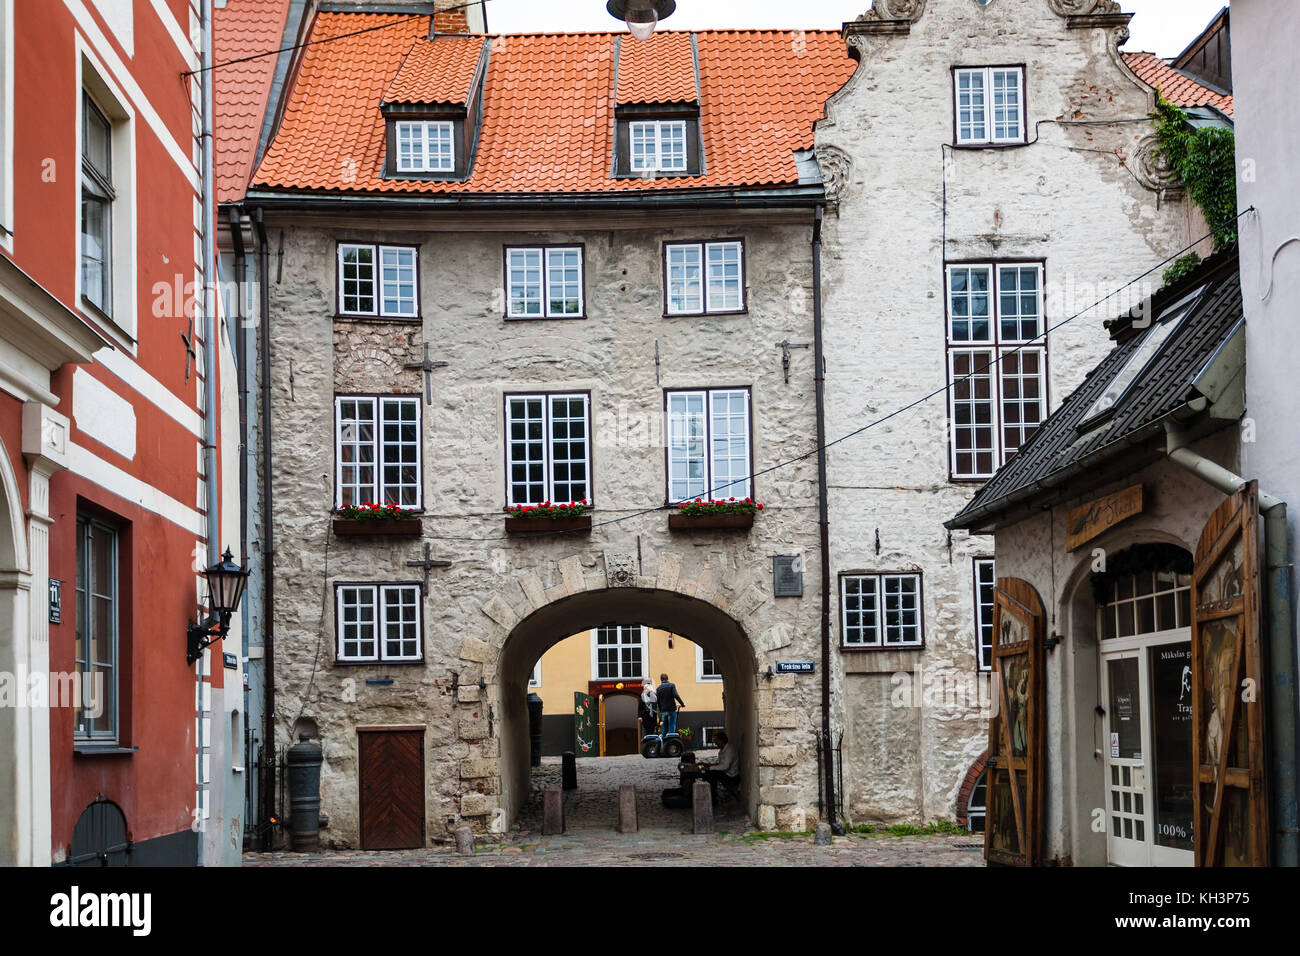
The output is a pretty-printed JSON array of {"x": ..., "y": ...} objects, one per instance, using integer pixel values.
[
  {"x": 795, "y": 667},
  {"x": 56, "y": 601}
]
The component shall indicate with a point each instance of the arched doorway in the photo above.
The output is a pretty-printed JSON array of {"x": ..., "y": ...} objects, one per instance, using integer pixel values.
[
  {"x": 721, "y": 636},
  {"x": 19, "y": 824}
]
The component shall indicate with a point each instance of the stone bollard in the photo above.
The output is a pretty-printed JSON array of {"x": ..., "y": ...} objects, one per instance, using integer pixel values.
[
  {"x": 552, "y": 811},
  {"x": 569, "y": 770},
  {"x": 465, "y": 841},
  {"x": 702, "y": 796},
  {"x": 627, "y": 808},
  {"x": 823, "y": 835}
]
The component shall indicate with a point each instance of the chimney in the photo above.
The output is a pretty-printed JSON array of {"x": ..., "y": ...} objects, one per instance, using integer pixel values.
[{"x": 457, "y": 16}]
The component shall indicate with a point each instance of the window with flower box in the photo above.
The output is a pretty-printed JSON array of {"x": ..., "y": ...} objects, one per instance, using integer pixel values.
[
  {"x": 704, "y": 277},
  {"x": 378, "y": 622},
  {"x": 379, "y": 281},
  {"x": 544, "y": 282},
  {"x": 997, "y": 363},
  {"x": 709, "y": 454},
  {"x": 377, "y": 450},
  {"x": 881, "y": 610},
  {"x": 548, "y": 448}
]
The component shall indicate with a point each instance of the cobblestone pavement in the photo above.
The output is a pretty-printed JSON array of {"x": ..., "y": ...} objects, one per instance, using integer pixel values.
[{"x": 664, "y": 837}]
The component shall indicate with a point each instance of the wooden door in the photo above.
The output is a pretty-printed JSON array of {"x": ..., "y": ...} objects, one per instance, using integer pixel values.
[
  {"x": 391, "y": 777},
  {"x": 1230, "y": 796},
  {"x": 585, "y": 740},
  {"x": 1015, "y": 767}
]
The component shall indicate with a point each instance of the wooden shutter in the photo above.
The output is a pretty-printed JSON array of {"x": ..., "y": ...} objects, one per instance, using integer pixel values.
[
  {"x": 1014, "y": 821},
  {"x": 584, "y": 725},
  {"x": 1230, "y": 797}
]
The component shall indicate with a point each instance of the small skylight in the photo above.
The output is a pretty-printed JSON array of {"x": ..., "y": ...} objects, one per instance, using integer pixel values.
[{"x": 1151, "y": 343}]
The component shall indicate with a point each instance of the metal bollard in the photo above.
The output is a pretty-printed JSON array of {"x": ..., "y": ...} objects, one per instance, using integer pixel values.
[{"x": 569, "y": 771}]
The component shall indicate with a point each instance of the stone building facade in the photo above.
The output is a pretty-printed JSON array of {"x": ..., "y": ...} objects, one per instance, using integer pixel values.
[{"x": 1071, "y": 200}]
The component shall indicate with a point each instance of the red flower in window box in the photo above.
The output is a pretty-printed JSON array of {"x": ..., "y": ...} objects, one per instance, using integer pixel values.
[
  {"x": 549, "y": 518},
  {"x": 717, "y": 514},
  {"x": 372, "y": 518}
]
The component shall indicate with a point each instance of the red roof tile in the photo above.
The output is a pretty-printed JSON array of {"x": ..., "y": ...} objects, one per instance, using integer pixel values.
[
  {"x": 437, "y": 71},
  {"x": 658, "y": 70},
  {"x": 239, "y": 96},
  {"x": 1177, "y": 88},
  {"x": 548, "y": 110}
]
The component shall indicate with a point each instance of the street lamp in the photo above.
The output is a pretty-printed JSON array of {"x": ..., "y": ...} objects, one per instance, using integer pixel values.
[
  {"x": 641, "y": 16},
  {"x": 226, "y": 582}
]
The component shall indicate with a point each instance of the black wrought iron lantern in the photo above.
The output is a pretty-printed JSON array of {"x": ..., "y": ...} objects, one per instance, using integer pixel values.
[
  {"x": 226, "y": 582},
  {"x": 641, "y": 16}
]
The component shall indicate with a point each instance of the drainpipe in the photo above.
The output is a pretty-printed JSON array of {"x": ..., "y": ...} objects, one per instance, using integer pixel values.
[
  {"x": 823, "y": 521},
  {"x": 266, "y": 777},
  {"x": 1281, "y": 644}
]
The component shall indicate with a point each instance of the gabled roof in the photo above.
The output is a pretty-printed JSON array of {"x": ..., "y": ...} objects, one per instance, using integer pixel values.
[
  {"x": 1064, "y": 455},
  {"x": 239, "y": 94},
  {"x": 548, "y": 109},
  {"x": 437, "y": 71},
  {"x": 658, "y": 70},
  {"x": 1178, "y": 88}
]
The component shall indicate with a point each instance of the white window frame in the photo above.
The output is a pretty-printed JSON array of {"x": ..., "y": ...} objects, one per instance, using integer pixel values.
[
  {"x": 988, "y": 115},
  {"x": 548, "y": 446},
  {"x": 700, "y": 676},
  {"x": 662, "y": 135},
  {"x": 425, "y": 138},
  {"x": 549, "y": 268},
  {"x": 997, "y": 359},
  {"x": 380, "y": 285},
  {"x": 380, "y": 623},
  {"x": 105, "y": 727},
  {"x": 535, "y": 675},
  {"x": 985, "y": 576},
  {"x": 704, "y": 278},
  {"x": 881, "y": 581},
  {"x": 380, "y": 488},
  {"x": 622, "y": 629},
  {"x": 710, "y": 490}
]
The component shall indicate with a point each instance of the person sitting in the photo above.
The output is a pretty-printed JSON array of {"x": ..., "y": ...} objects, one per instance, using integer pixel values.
[
  {"x": 726, "y": 769},
  {"x": 669, "y": 702}
]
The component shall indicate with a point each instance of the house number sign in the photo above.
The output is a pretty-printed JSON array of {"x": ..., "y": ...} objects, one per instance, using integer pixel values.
[{"x": 56, "y": 601}]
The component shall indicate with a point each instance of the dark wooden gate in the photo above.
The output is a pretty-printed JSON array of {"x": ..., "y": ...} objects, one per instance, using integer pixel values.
[
  {"x": 391, "y": 777},
  {"x": 1013, "y": 821},
  {"x": 1228, "y": 689}
]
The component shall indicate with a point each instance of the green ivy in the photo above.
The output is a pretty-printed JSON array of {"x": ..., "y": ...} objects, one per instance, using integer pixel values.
[
  {"x": 1205, "y": 160},
  {"x": 1180, "y": 268}
]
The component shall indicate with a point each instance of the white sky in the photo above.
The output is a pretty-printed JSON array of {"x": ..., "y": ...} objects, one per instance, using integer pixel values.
[{"x": 1161, "y": 26}]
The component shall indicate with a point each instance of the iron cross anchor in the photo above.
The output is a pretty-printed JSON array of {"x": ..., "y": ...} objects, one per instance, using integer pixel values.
[
  {"x": 427, "y": 564},
  {"x": 427, "y": 368},
  {"x": 785, "y": 348},
  {"x": 189, "y": 351}
]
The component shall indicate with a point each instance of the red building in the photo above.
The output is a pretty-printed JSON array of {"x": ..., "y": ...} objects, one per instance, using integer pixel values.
[{"x": 106, "y": 518}]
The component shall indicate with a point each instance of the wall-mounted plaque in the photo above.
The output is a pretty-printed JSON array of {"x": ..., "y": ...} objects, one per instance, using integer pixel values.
[{"x": 787, "y": 575}]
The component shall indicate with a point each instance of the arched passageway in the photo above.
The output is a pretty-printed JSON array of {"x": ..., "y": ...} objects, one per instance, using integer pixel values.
[{"x": 702, "y": 622}]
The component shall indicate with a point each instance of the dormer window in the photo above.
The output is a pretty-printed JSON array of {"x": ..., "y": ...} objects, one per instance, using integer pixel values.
[
  {"x": 425, "y": 146},
  {"x": 657, "y": 108},
  {"x": 658, "y": 146}
]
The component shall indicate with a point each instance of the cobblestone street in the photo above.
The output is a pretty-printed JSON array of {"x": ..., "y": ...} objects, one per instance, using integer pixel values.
[{"x": 664, "y": 836}]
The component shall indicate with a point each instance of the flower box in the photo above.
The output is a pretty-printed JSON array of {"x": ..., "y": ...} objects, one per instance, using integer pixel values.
[
  {"x": 399, "y": 527},
  {"x": 528, "y": 525},
  {"x": 714, "y": 522}
]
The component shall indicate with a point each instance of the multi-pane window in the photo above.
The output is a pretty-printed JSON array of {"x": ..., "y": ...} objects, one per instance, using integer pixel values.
[
  {"x": 425, "y": 146},
  {"x": 619, "y": 652},
  {"x": 97, "y": 629},
  {"x": 544, "y": 282},
  {"x": 377, "y": 450},
  {"x": 548, "y": 449},
  {"x": 657, "y": 146},
  {"x": 997, "y": 356},
  {"x": 377, "y": 280},
  {"x": 97, "y": 196},
  {"x": 984, "y": 585},
  {"x": 708, "y": 444},
  {"x": 881, "y": 610},
  {"x": 990, "y": 105},
  {"x": 1146, "y": 602},
  {"x": 706, "y": 668},
  {"x": 379, "y": 622},
  {"x": 705, "y": 277}
]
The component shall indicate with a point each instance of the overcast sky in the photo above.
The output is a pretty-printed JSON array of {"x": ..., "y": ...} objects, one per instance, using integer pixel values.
[{"x": 1161, "y": 26}]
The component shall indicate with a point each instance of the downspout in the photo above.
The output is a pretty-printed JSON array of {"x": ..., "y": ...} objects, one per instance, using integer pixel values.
[
  {"x": 823, "y": 521},
  {"x": 210, "y": 409},
  {"x": 1281, "y": 644},
  {"x": 266, "y": 777}
]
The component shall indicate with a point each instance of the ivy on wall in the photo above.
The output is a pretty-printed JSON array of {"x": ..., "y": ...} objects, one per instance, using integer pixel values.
[{"x": 1205, "y": 160}]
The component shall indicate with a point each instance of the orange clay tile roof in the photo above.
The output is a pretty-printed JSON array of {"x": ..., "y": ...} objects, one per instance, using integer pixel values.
[
  {"x": 548, "y": 111},
  {"x": 239, "y": 94},
  {"x": 1174, "y": 86},
  {"x": 437, "y": 71},
  {"x": 658, "y": 70}
]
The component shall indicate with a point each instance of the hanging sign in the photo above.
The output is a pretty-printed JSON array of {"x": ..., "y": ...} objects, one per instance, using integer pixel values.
[{"x": 1088, "y": 521}]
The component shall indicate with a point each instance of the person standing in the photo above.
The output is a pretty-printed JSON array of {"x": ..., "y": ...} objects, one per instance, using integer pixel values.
[
  {"x": 649, "y": 701},
  {"x": 669, "y": 704}
]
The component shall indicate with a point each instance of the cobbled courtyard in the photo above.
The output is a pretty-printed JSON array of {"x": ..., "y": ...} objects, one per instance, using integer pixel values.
[{"x": 664, "y": 836}]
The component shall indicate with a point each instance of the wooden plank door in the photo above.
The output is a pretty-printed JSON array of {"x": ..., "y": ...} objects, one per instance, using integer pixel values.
[
  {"x": 1228, "y": 688},
  {"x": 1013, "y": 823},
  {"x": 391, "y": 777}
]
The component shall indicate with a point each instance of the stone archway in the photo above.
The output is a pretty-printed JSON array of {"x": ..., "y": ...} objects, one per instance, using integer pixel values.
[
  {"x": 20, "y": 812},
  {"x": 700, "y": 621}
]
